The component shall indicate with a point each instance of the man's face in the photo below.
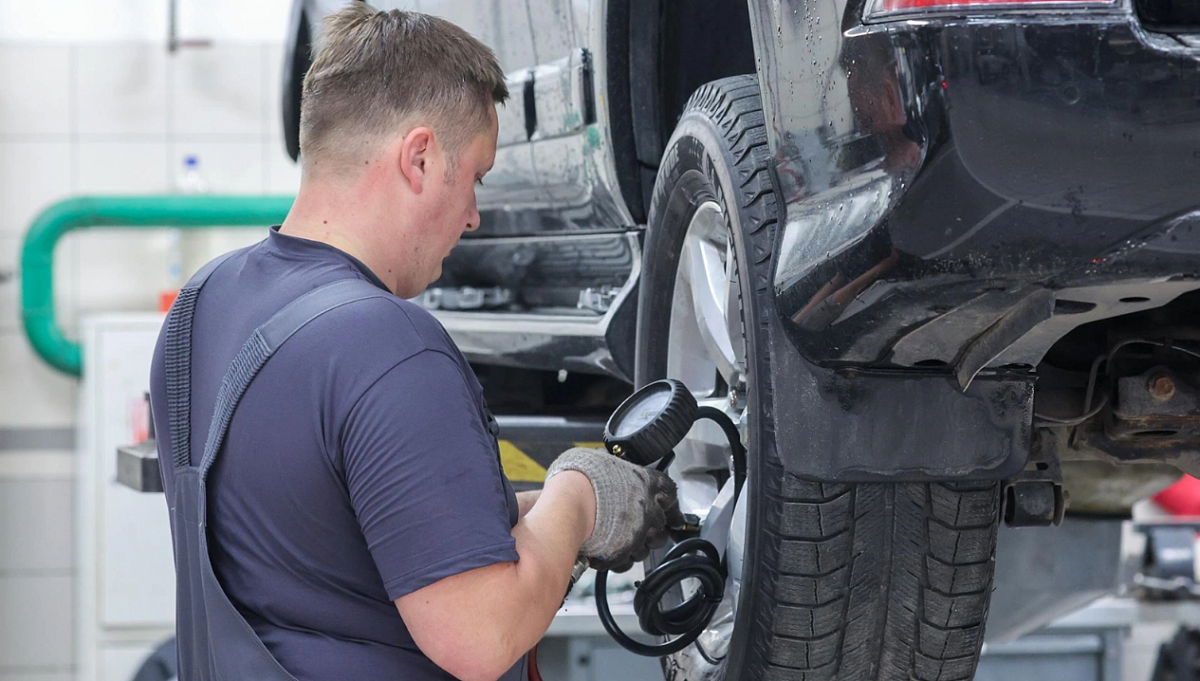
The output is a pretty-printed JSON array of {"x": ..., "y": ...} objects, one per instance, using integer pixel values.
[{"x": 453, "y": 196}]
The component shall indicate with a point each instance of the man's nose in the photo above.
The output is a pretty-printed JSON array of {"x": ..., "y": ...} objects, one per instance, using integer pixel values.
[{"x": 473, "y": 222}]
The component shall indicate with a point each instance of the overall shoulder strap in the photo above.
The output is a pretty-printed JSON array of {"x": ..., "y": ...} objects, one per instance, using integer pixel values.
[
  {"x": 263, "y": 343},
  {"x": 177, "y": 361}
]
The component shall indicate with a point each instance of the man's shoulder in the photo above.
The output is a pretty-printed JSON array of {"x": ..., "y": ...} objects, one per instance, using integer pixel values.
[
  {"x": 363, "y": 342},
  {"x": 391, "y": 326}
]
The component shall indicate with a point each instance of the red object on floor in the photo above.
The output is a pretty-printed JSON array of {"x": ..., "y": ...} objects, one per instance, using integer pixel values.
[{"x": 1182, "y": 498}]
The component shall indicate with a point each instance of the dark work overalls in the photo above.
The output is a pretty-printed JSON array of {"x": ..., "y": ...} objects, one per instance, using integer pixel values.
[{"x": 215, "y": 641}]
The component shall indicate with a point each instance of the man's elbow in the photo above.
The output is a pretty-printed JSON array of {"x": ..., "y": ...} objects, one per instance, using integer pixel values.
[
  {"x": 482, "y": 658},
  {"x": 469, "y": 624}
]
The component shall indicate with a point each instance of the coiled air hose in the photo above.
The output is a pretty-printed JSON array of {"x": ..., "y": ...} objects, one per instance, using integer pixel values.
[{"x": 661, "y": 414}]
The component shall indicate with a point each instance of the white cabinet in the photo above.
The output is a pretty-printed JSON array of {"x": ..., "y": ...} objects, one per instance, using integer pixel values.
[{"x": 126, "y": 577}]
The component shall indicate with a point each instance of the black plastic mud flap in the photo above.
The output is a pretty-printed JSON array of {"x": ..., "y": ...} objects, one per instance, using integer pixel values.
[{"x": 858, "y": 426}]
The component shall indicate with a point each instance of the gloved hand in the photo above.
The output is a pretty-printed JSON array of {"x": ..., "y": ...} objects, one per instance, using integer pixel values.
[{"x": 634, "y": 507}]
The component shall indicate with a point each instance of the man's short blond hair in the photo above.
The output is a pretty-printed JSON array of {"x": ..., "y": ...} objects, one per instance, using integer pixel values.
[{"x": 376, "y": 72}]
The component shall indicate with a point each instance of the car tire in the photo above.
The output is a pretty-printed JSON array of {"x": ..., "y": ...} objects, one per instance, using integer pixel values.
[{"x": 883, "y": 581}]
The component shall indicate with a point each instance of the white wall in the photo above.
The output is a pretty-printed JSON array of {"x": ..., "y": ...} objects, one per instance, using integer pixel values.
[
  {"x": 92, "y": 103},
  {"x": 105, "y": 21}
]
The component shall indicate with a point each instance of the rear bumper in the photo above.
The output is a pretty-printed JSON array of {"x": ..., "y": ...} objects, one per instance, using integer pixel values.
[
  {"x": 985, "y": 157},
  {"x": 953, "y": 188}
]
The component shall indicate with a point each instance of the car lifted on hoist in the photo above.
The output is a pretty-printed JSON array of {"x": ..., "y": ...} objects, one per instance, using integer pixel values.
[{"x": 936, "y": 260}]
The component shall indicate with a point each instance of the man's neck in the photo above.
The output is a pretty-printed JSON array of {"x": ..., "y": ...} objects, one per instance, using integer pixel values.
[{"x": 332, "y": 215}]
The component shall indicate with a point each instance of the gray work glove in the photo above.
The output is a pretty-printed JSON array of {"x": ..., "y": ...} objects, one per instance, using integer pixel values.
[{"x": 634, "y": 507}]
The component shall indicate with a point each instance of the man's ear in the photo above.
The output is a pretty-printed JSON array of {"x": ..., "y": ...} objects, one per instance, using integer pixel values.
[{"x": 416, "y": 151}]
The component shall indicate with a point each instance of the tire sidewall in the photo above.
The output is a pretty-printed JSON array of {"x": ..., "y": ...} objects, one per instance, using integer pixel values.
[{"x": 698, "y": 167}]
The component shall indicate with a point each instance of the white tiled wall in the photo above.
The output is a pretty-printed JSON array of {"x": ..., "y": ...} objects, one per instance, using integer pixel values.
[
  {"x": 219, "y": 93},
  {"x": 102, "y": 21},
  {"x": 10, "y": 246},
  {"x": 31, "y": 393},
  {"x": 122, "y": 91},
  {"x": 31, "y": 515},
  {"x": 46, "y": 70},
  {"x": 36, "y": 580},
  {"x": 109, "y": 115},
  {"x": 35, "y": 170}
]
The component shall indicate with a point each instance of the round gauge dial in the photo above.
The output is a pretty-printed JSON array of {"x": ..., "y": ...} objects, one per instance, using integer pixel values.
[
  {"x": 650, "y": 422},
  {"x": 642, "y": 413}
]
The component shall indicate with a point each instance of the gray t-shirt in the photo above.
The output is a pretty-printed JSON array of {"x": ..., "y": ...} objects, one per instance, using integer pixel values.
[{"x": 358, "y": 467}]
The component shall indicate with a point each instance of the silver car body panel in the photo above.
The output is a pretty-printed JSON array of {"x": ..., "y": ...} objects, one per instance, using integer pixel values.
[{"x": 554, "y": 179}]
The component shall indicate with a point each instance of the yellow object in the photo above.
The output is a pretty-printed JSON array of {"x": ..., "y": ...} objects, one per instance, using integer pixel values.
[{"x": 518, "y": 466}]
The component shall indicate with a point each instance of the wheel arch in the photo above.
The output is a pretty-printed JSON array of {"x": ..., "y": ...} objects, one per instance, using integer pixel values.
[{"x": 659, "y": 53}]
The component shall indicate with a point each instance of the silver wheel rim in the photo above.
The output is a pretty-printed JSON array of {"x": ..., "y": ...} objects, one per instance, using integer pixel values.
[{"x": 706, "y": 351}]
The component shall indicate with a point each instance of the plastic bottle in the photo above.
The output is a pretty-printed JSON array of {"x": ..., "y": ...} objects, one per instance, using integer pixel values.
[{"x": 189, "y": 181}]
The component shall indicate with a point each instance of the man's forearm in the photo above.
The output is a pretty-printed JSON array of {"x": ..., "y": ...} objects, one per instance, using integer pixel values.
[
  {"x": 526, "y": 500},
  {"x": 477, "y": 624},
  {"x": 548, "y": 540}
]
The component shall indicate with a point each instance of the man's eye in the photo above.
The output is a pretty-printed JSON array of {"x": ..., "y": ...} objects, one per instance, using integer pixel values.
[{"x": 479, "y": 181}]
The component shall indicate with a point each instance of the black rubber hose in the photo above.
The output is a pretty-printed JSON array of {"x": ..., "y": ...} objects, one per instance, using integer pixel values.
[
  {"x": 692, "y": 558},
  {"x": 736, "y": 449}
]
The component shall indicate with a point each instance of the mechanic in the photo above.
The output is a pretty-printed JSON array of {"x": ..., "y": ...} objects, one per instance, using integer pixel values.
[{"x": 348, "y": 518}]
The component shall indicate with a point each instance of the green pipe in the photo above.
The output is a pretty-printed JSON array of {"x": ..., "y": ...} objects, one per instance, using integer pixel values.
[{"x": 91, "y": 212}]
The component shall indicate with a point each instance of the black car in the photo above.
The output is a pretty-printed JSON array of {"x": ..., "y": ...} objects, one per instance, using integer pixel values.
[{"x": 936, "y": 258}]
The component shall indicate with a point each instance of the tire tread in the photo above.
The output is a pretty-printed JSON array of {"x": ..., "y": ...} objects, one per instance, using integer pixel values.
[{"x": 852, "y": 582}]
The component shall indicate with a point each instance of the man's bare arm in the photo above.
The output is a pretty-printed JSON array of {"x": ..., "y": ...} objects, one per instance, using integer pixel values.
[
  {"x": 526, "y": 500},
  {"x": 477, "y": 624}
]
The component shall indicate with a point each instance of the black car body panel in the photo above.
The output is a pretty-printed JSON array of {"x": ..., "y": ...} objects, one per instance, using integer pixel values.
[
  {"x": 983, "y": 157},
  {"x": 960, "y": 193}
]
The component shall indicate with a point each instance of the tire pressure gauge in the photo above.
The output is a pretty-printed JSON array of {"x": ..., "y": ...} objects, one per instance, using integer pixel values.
[
  {"x": 643, "y": 430},
  {"x": 650, "y": 422}
]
